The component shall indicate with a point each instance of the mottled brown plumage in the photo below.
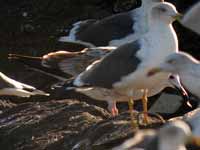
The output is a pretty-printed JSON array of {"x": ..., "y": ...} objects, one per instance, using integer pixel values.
[{"x": 68, "y": 62}]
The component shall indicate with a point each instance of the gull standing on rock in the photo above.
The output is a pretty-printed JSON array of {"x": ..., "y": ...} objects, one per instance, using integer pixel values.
[
  {"x": 114, "y": 30},
  {"x": 122, "y": 73},
  {"x": 11, "y": 87},
  {"x": 186, "y": 66},
  {"x": 74, "y": 63}
]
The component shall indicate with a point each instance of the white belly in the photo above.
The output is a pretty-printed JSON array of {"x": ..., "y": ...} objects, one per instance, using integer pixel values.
[
  {"x": 103, "y": 94},
  {"x": 135, "y": 83}
]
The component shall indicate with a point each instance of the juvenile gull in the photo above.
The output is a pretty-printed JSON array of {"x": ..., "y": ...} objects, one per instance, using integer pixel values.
[
  {"x": 11, "y": 87},
  {"x": 186, "y": 66},
  {"x": 71, "y": 63},
  {"x": 114, "y": 30},
  {"x": 191, "y": 18},
  {"x": 172, "y": 136},
  {"x": 122, "y": 73}
]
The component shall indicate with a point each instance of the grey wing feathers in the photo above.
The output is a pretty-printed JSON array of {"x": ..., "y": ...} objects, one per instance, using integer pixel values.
[{"x": 115, "y": 65}]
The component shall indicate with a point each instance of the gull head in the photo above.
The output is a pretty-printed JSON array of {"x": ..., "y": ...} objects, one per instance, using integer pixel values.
[
  {"x": 174, "y": 63},
  {"x": 165, "y": 12}
]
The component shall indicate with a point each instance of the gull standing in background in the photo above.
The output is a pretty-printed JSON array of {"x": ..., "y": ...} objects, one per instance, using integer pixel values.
[
  {"x": 114, "y": 30},
  {"x": 74, "y": 63},
  {"x": 122, "y": 73}
]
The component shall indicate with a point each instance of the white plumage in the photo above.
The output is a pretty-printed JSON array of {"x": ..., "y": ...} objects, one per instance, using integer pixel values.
[
  {"x": 160, "y": 41},
  {"x": 122, "y": 73},
  {"x": 186, "y": 66},
  {"x": 12, "y": 87}
]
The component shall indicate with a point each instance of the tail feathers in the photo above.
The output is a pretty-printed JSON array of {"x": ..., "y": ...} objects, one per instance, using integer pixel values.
[
  {"x": 26, "y": 60},
  {"x": 18, "y": 56},
  {"x": 77, "y": 28},
  {"x": 35, "y": 64},
  {"x": 83, "y": 25}
]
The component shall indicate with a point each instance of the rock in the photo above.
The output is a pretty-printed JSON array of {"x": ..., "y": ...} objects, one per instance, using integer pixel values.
[
  {"x": 166, "y": 103},
  {"x": 169, "y": 103},
  {"x": 39, "y": 125},
  {"x": 65, "y": 124}
]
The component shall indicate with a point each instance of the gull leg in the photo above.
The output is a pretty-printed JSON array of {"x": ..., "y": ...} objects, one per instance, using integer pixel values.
[
  {"x": 112, "y": 108},
  {"x": 131, "y": 105},
  {"x": 144, "y": 102}
]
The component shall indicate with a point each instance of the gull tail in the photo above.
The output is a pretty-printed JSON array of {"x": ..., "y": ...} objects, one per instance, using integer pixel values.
[
  {"x": 23, "y": 57},
  {"x": 26, "y": 60},
  {"x": 36, "y": 64},
  {"x": 77, "y": 27}
]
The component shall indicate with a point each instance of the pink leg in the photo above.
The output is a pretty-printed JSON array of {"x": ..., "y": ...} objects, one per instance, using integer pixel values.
[{"x": 112, "y": 108}]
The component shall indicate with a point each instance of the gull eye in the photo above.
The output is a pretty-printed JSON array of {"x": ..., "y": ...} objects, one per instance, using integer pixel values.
[
  {"x": 162, "y": 9},
  {"x": 171, "y": 61},
  {"x": 171, "y": 77}
]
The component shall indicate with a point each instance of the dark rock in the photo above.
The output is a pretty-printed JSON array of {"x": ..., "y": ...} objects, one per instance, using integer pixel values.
[
  {"x": 63, "y": 125},
  {"x": 39, "y": 125}
]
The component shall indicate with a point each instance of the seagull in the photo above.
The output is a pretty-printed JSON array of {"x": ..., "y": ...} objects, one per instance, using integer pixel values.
[
  {"x": 121, "y": 75},
  {"x": 71, "y": 63},
  {"x": 172, "y": 136},
  {"x": 74, "y": 63},
  {"x": 191, "y": 20},
  {"x": 186, "y": 66},
  {"x": 10, "y": 87},
  {"x": 114, "y": 30}
]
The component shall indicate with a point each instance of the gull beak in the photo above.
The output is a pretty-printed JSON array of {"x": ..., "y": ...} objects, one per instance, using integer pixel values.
[
  {"x": 195, "y": 141},
  {"x": 153, "y": 71},
  {"x": 175, "y": 81},
  {"x": 178, "y": 16},
  {"x": 184, "y": 94}
]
